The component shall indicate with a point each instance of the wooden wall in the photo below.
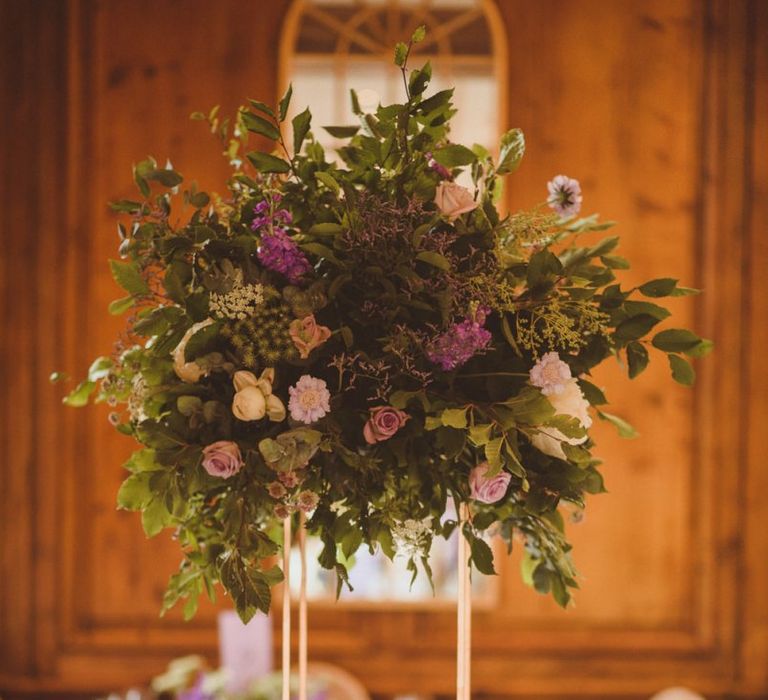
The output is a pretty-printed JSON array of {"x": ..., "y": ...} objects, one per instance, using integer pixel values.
[{"x": 652, "y": 104}]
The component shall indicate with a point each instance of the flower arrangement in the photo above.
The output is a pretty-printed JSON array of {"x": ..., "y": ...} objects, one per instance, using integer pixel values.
[{"x": 365, "y": 340}]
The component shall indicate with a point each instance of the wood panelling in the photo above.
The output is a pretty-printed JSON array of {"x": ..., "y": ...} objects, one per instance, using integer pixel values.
[{"x": 651, "y": 104}]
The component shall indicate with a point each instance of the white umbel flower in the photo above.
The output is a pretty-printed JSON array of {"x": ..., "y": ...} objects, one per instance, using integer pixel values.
[
  {"x": 237, "y": 304},
  {"x": 412, "y": 536}
]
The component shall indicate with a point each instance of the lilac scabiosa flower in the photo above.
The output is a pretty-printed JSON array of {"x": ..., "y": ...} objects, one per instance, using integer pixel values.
[
  {"x": 550, "y": 374},
  {"x": 279, "y": 252},
  {"x": 310, "y": 399},
  {"x": 460, "y": 342},
  {"x": 564, "y": 195}
]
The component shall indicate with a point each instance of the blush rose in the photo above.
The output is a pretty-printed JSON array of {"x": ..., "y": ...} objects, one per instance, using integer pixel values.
[
  {"x": 222, "y": 459},
  {"x": 384, "y": 422},
  {"x": 454, "y": 200},
  {"x": 488, "y": 489}
]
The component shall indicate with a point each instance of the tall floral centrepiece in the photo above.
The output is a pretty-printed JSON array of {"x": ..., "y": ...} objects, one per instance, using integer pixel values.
[{"x": 364, "y": 340}]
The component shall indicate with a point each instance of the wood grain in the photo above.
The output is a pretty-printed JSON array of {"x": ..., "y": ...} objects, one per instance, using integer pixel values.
[{"x": 653, "y": 105}]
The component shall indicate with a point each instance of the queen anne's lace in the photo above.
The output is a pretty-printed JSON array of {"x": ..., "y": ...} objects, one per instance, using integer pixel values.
[
  {"x": 237, "y": 304},
  {"x": 411, "y": 537}
]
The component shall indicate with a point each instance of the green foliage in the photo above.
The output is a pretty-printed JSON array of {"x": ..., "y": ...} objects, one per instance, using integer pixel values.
[{"x": 387, "y": 283}]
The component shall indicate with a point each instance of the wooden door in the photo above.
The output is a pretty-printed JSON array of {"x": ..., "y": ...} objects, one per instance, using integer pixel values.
[{"x": 652, "y": 104}]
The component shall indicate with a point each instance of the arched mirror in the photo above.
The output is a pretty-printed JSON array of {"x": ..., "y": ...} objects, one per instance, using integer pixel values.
[{"x": 331, "y": 46}]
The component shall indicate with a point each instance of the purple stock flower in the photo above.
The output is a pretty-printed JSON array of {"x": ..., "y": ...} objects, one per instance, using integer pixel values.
[
  {"x": 460, "y": 342},
  {"x": 279, "y": 252},
  {"x": 564, "y": 195}
]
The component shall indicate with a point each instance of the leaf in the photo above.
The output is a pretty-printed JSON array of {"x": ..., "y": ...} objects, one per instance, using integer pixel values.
[
  {"x": 543, "y": 265},
  {"x": 262, "y": 107},
  {"x": 675, "y": 340},
  {"x": 637, "y": 359},
  {"x": 267, "y": 163},
  {"x": 624, "y": 428},
  {"x": 127, "y": 206},
  {"x": 434, "y": 259},
  {"x": 326, "y": 229},
  {"x": 615, "y": 262},
  {"x": 401, "y": 52},
  {"x": 635, "y": 308},
  {"x": 322, "y": 251},
  {"x": 531, "y": 407},
  {"x": 419, "y": 79},
  {"x": 480, "y": 434},
  {"x": 684, "y": 292},
  {"x": 258, "y": 125},
  {"x": 570, "y": 426},
  {"x": 482, "y": 555},
  {"x": 493, "y": 455},
  {"x": 439, "y": 99},
  {"x": 155, "y": 517},
  {"x": 134, "y": 492},
  {"x": 329, "y": 181},
  {"x": 300, "y": 124},
  {"x": 342, "y": 132},
  {"x": 592, "y": 393},
  {"x": 662, "y": 287},
  {"x": 454, "y": 155},
  {"x": 166, "y": 177},
  {"x": 120, "y": 306},
  {"x": 100, "y": 368},
  {"x": 80, "y": 394},
  {"x": 454, "y": 417},
  {"x": 703, "y": 348},
  {"x": 128, "y": 277},
  {"x": 285, "y": 103},
  {"x": 512, "y": 151},
  {"x": 635, "y": 327},
  {"x": 682, "y": 371}
]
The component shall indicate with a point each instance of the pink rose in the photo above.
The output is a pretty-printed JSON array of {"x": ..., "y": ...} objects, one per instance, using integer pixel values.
[
  {"x": 222, "y": 459},
  {"x": 487, "y": 490},
  {"x": 384, "y": 422},
  {"x": 454, "y": 200},
  {"x": 307, "y": 335}
]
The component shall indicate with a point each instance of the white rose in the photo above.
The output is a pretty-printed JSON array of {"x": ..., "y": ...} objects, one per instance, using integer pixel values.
[
  {"x": 570, "y": 402},
  {"x": 454, "y": 200},
  {"x": 189, "y": 371},
  {"x": 254, "y": 398},
  {"x": 249, "y": 404}
]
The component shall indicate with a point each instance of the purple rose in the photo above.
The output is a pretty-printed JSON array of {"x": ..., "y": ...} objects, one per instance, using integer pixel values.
[
  {"x": 222, "y": 459},
  {"x": 485, "y": 489},
  {"x": 384, "y": 422}
]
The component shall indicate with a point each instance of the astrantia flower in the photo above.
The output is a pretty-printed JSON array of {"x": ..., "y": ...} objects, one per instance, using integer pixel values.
[
  {"x": 307, "y": 501},
  {"x": 310, "y": 399},
  {"x": 564, "y": 195},
  {"x": 279, "y": 252},
  {"x": 550, "y": 374},
  {"x": 460, "y": 342}
]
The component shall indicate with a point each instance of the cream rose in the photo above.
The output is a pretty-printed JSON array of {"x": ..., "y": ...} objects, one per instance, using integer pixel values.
[
  {"x": 454, "y": 200},
  {"x": 569, "y": 402},
  {"x": 254, "y": 398},
  {"x": 189, "y": 371}
]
